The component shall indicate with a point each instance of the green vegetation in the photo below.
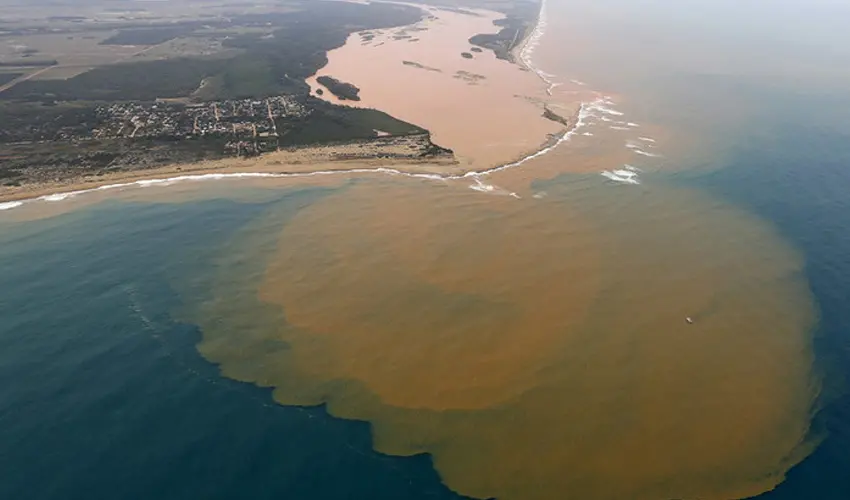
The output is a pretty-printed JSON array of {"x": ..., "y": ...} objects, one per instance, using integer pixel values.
[
  {"x": 520, "y": 18},
  {"x": 58, "y": 129},
  {"x": 551, "y": 115},
  {"x": 45, "y": 162},
  {"x": 267, "y": 65},
  {"x": 144, "y": 81},
  {"x": 44, "y": 142},
  {"x": 342, "y": 90},
  {"x": 148, "y": 36},
  {"x": 8, "y": 77},
  {"x": 43, "y": 122},
  {"x": 27, "y": 63},
  {"x": 341, "y": 123}
]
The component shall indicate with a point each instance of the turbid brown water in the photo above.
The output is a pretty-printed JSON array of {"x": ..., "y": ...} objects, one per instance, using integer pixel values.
[
  {"x": 538, "y": 347},
  {"x": 535, "y": 345},
  {"x": 470, "y": 105}
]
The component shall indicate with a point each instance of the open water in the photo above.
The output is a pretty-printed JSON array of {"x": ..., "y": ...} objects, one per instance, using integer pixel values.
[{"x": 385, "y": 337}]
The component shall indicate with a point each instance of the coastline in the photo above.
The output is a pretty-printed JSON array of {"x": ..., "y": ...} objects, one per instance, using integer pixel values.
[
  {"x": 272, "y": 165},
  {"x": 316, "y": 160},
  {"x": 518, "y": 49},
  {"x": 521, "y": 53}
]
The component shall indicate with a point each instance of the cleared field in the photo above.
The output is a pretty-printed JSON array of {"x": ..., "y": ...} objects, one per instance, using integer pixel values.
[
  {"x": 68, "y": 49},
  {"x": 75, "y": 14},
  {"x": 61, "y": 72},
  {"x": 193, "y": 46}
]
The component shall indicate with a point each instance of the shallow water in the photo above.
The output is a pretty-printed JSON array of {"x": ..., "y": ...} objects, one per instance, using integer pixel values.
[{"x": 525, "y": 329}]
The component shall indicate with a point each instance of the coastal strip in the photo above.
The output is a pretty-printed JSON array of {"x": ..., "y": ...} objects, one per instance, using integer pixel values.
[
  {"x": 435, "y": 169},
  {"x": 325, "y": 160},
  {"x": 524, "y": 51}
]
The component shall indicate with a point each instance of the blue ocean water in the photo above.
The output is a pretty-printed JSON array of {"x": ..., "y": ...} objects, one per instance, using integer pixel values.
[
  {"x": 105, "y": 396},
  {"x": 795, "y": 171}
]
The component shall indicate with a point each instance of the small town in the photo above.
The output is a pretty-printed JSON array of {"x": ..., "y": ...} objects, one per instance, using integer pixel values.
[{"x": 250, "y": 123}]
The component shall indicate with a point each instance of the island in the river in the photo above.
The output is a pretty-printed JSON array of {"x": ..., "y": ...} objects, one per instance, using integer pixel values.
[
  {"x": 94, "y": 94},
  {"x": 344, "y": 91}
]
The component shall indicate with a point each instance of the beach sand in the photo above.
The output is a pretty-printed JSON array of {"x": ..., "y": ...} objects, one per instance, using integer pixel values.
[
  {"x": 489, "y": 111},
  {"x": 536, "y": 348},
  {"x": 302, "y": 161}
]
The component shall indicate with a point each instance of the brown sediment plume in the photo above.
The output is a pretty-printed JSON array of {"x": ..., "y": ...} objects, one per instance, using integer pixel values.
[
  {"x": 537, "y": 349},
  {"x": 496, "y": 121}
]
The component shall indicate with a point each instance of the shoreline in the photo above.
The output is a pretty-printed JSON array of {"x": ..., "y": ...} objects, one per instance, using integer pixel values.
[
  {"x": 522, "y": 52},
  {"x": 271, "y": 166},
  {"x": 314, "y": 160},
  {"x": 266, "y": 166}
]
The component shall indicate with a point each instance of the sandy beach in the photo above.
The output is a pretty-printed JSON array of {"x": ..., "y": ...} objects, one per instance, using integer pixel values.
[
  {"x": 489, "y": 111},
  {"x": 284, "y": 163}
]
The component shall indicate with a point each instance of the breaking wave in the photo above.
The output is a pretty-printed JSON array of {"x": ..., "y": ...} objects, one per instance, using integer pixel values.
[
  {"x": 10, "y": 205},
  {"x": 625, "y": 175},
  {"x": 586, "y": 110},
  {"x": 531, "y": 43}
]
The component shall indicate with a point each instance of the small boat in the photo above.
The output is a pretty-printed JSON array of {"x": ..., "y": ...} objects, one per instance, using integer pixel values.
[{"x": 689, "y": 321}]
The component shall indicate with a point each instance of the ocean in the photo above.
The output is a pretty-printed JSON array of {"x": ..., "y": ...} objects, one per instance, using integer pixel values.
[{"x": 517, "y": 335}]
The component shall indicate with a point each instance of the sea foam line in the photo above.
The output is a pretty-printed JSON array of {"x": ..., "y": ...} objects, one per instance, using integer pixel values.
[
  {"x": 625, "y": 175},
  {"x": 583, "y": 114},
  {"x": 10, "y": 205},
  {"x": 585, "y": 111},
  {"x": 167, "y": 181},
  {"x": 526, "y": 52},
  {"x": 531, "y": 43}
]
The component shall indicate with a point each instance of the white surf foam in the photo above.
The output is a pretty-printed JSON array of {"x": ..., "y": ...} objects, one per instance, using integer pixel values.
[
  {"x": 586, "y": 110},
  {"x": 481, "y": 187},
  {"x": 607, "y": 110},
  {"x": 637, "y": 148},
  {"x": 10, "y": 205},
  {"x": 583, "y": 114},
  {"x": 647, "y": 139},
  {"x": 621, "y": 175},
  {"x": 617, "y": 127},
  {"x": 645, "y": 153},
  {"x": 530, "y": 45},
  {"x": 61, "y": 196}
]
